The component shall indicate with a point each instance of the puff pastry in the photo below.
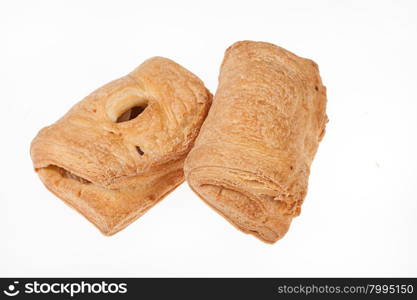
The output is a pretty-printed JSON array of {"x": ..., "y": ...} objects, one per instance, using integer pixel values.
[
  {"x": 251, "y": 160},
  {"x": 120, "y": 150}
]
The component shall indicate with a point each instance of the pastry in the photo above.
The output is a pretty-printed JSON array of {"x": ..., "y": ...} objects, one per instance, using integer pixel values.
[
  {"x": 120, "y": 150},
  {"x": 251, "y": 160}
]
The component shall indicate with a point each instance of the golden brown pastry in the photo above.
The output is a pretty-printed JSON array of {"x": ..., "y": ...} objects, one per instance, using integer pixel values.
[
  {"x": 120, "y": 150},
  {"x": 251, "y": 160}
]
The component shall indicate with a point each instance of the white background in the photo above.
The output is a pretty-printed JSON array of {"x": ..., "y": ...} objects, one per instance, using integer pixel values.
[{"x": 360, "y": 215}]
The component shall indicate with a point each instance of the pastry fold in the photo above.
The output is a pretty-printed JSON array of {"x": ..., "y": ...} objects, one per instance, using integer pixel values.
[
  {"x": 121, "y": 149},
  {"x": 251, "y": 160}
]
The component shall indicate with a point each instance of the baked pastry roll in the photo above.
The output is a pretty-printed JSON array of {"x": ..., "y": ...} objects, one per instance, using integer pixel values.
[
  {"x": 251, "y": 160},
  {"x": 120, "y": 150}
]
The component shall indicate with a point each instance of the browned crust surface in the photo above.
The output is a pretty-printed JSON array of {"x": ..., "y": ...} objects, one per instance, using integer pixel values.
[
  {"x": 251, "y": 161},
  {"x": 113, "y": 172}
]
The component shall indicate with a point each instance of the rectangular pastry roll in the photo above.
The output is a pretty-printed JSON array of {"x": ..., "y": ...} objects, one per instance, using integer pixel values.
[
  {"x": 120, "y": 150},
  {"x": 251, "y": 160}
]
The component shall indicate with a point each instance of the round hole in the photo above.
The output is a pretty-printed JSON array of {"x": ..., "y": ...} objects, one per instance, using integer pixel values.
[
  {"x": 125, "y": 104},
  {"x": 131, "y": 113}
]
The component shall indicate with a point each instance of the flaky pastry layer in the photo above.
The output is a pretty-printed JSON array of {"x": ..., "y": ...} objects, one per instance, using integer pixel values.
[
  {"x": 252, "y": 158},
  {"x": 121, "y": 149}
]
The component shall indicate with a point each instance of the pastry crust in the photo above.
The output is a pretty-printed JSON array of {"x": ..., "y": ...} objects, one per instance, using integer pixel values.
[
  {"x": 111, "y": 168},
  {"x": 251, "y": 160}
]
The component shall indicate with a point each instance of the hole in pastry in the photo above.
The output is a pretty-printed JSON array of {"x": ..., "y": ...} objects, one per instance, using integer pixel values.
[
  {"x": 291, "y": 167},
  {"x": 139, "y": 151},
  {"x": 131, "y": 113},
  {"x": 316, "y": 88},
  {"x": 67, "y": 174}
]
